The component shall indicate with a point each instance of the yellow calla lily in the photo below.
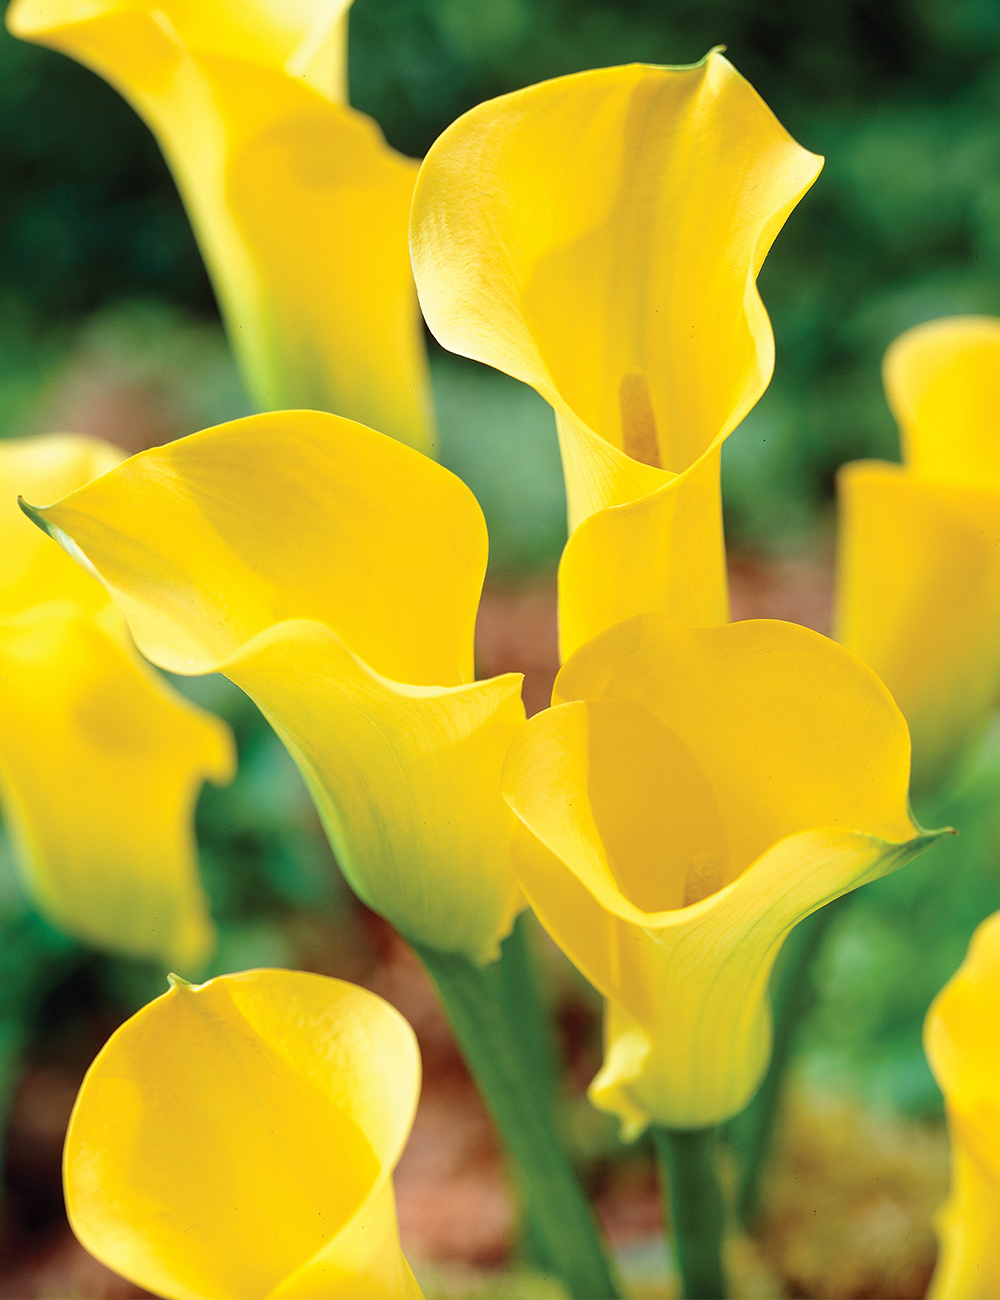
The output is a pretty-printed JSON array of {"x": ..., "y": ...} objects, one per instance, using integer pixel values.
[
  {"x": 299, "y": 205},
  {"x": 598, "y": 237},
  {"x": 961, "y": 1041},
  {"x": 692, "y": 796},
  {"x": 235, "y": 1140},
  {"x": 919, "y": 555},
  {"x": 101, "y": 762},
  {"x": 334, "y": 575}
]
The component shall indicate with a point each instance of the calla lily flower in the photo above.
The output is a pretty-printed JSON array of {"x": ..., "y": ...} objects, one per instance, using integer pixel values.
[
  {"x": 334, "y": 575},
  {"x": 598, "y": 237},
  {"x": 919, "y": 563},
  {"x": 235, "y": 1140},
  {"x": 298, "y": 204},
  {"x": 963, "y": 1046},
  {"x": 692, "y": 796},
  {"x": 101, "y": 761}
]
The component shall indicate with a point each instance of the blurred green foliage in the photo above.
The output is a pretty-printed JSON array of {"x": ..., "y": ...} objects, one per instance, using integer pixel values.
[
  {"x": 895, "y": 943},
  {"x": 902, "y": 96}
]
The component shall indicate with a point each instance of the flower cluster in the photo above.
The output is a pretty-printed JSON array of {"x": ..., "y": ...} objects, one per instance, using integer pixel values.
[{"x": 697, "y": 788}]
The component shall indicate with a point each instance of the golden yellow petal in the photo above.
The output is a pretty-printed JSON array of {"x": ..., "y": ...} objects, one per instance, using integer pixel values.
[
  {"x": 44, "y": 469},
  {"x": 334, "y": 575},
  {"x": 918, "y": 598},
  {"x": 299, "y": 205},
  {"x": 293, "y": 515},
  {"x": 791, "y": 730},
  {"x": 309, "y": 38},
  {"x": 99, "y": 771},
  {"x": 624, "y": 292},
  {"x": 661, "y": 553},
  {"x": 688, "y": 1028},
  {"x": 943, "y": 384},
  {"x": 700, "y": 793},
  {"x": 406, "y": 779},
  {"x": 968, "y": 1263},
  {"x": 579, "y": 278},
  {"x": 232, "y": 1136},
  {"x": 961, "y": 1041}
]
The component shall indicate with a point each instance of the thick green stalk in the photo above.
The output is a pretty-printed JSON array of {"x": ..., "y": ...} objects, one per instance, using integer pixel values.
[
  {"x": 697, "y": 1210},
  {"x": 518, "y": 982},
  {"x": 516, "y": 1087}
]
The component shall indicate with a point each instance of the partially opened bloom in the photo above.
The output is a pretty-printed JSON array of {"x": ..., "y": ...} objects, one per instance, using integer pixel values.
[
  {"x": 919, "y": 562},
  {"x": 236, "y": 1140},
  {"x": 598, "y": 237},
  {"x": 334, "y": 575},
  {"x": 100, "y": 761},
  {"x": 695, "y": 794},
  {"x": 962, "y": 1041},
  {"x": 299, "y": 205}
]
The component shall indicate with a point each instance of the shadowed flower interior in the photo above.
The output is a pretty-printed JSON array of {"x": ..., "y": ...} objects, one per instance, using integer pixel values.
[
  {"x": 598, "y": 236},
  {"x": 692, "y": 795}
]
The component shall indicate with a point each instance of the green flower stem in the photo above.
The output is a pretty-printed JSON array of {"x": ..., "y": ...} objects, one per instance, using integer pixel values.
[
  {"x": 515, "y": 1084},
  {"x": 519, "y": 986},
  {"x": 520, "y": 989},
  {"x": 697, "y": 1210},
  {"x": 793, "y": 996}
]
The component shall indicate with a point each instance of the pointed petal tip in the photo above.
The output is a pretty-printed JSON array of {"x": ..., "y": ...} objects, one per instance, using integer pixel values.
[{"x": 36, "y": 515}]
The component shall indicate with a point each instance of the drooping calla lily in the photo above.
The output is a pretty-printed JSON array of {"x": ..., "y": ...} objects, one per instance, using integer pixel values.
[
  {"x": 334, "y": 575},
  {"x": 963, "y": 1046},
  {"x": 598, "y": 237},
  {"x": 919, "y": 558},
  {"x": 692, "y": 796},
  {"x": 298, "y": 203},
  {"x": 101, "y": 761},
  {"x": 236, "y": 1140}
]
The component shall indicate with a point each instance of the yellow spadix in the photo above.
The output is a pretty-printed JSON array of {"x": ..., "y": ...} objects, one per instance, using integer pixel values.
[
  {"x": 692, "y": 796},
  {"x": 598, "y": 237}
]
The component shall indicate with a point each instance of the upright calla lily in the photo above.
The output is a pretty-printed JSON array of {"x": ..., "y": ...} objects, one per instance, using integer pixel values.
[
  {"x": 334, "y": 575},
  {"x": 963, "y": 1046},
  {"x": 598, "y": 237},
  {"x": 236, "y": 1140},
  {"x": 299, "y": 205},
  {"x": 919, "y": 562},
  {"x": 695, "y": 794},
  {"x": 101, "y": 761}
]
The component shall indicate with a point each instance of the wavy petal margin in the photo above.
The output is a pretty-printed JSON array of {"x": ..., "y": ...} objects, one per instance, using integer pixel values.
[
  {"x": 707, "y": 790},
  {"x": 598, "y": 237},
  {"x": 237, "y": 1139},
  {"x": 334, "y": 575}
]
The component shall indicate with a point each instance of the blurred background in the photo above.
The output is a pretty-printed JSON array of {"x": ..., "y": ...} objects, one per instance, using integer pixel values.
[{"x": 108, "y": 326}]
